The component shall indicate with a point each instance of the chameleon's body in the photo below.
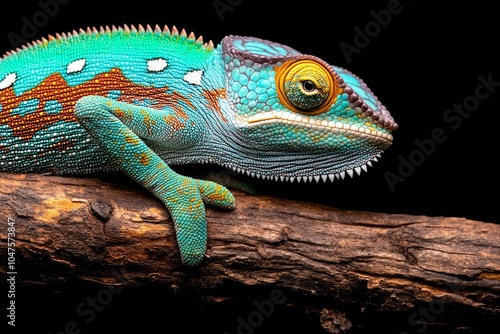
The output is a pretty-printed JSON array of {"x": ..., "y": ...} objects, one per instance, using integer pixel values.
[{"x": 140, "y": 100}]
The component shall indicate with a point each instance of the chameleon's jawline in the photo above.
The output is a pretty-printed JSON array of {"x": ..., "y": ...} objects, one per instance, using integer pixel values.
[
  {"x": 325, "y": 177},
  {"x": 322, "y": 125}
]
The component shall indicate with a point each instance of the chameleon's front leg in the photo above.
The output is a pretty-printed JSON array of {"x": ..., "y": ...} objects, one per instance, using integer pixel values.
[{"x": 118, "y": 127}]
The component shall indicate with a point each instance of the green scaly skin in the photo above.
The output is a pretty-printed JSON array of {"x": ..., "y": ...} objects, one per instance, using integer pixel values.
[{"x": 139, "y": 100}]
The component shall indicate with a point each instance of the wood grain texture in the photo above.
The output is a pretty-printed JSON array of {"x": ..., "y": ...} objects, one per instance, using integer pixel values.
[{"x": 327, "y": 260}]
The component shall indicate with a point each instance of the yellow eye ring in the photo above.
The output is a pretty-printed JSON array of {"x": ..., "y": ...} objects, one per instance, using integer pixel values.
[{"x": 305, "y": 86}]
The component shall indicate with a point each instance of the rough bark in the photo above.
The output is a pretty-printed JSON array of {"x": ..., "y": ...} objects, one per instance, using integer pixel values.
[{"x": 335, "y": 262}]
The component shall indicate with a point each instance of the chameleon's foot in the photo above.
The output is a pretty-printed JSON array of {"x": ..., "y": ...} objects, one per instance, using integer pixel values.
[
  {"x": 188, "y": 213},
  {"x": 121, "y": 140}
]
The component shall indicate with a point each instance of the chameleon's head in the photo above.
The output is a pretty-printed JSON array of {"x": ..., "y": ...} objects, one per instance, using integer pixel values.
[{"x": 298, "y": 118}]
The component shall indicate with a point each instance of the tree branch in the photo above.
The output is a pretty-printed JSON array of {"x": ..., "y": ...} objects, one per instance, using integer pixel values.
[{"x": 337, "y": 262}]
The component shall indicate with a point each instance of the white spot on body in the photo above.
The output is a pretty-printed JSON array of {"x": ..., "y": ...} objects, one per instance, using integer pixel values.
[
  {"x": 8, "y": 81},
  {"x": 157, "y": 65},
  {"x": 194, "y": 77},
  {"x": 76, "y": 66}
]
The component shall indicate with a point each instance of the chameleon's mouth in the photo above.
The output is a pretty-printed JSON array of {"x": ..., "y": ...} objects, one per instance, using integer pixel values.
[
  {"x": 325, "y": 162},
  {"x": 334, "y": 128}
]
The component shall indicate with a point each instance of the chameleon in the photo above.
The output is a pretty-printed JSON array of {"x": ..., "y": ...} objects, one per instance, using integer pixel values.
[{"x": 142, "y": 99}]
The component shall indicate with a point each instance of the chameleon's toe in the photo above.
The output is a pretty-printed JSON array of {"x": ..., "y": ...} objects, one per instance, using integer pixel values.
[
  {"x": 191, "y": 229},
  {"x": 187, "y": 208},
  {"x": 215, "y": 194}
]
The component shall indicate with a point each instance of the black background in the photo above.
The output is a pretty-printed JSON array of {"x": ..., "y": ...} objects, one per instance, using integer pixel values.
[{"x": 425, "y": 60}]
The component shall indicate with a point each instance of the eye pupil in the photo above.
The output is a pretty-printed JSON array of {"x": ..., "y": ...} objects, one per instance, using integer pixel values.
[{"x": 308, "y": 86}]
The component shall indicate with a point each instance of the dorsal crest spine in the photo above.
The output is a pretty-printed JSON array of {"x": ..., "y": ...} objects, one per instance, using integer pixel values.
[{"x": 132, "y": 29}]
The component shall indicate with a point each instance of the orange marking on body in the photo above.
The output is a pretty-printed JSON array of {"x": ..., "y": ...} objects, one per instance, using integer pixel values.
[
  {"x": 62, "y": 145},
  {"x": 180, "y": 112},
  {"x": 54, "y": 87},
  {"x": 174, "y": 122},
  {"x": 148, "y": 122},
  {"x": 212, "y": 97},
  {"x": 125, "y": 115},
  {"x": 131, "y": 139},
  {"x": 25, "y": 126},
  {"x": 219, "y": 195},
  {"x": 119, "y": 113},
  {"x": 143, "y": 158}
]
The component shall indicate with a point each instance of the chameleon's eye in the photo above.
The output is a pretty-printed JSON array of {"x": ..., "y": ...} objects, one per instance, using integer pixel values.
[{"x": 305, "y": 86}]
